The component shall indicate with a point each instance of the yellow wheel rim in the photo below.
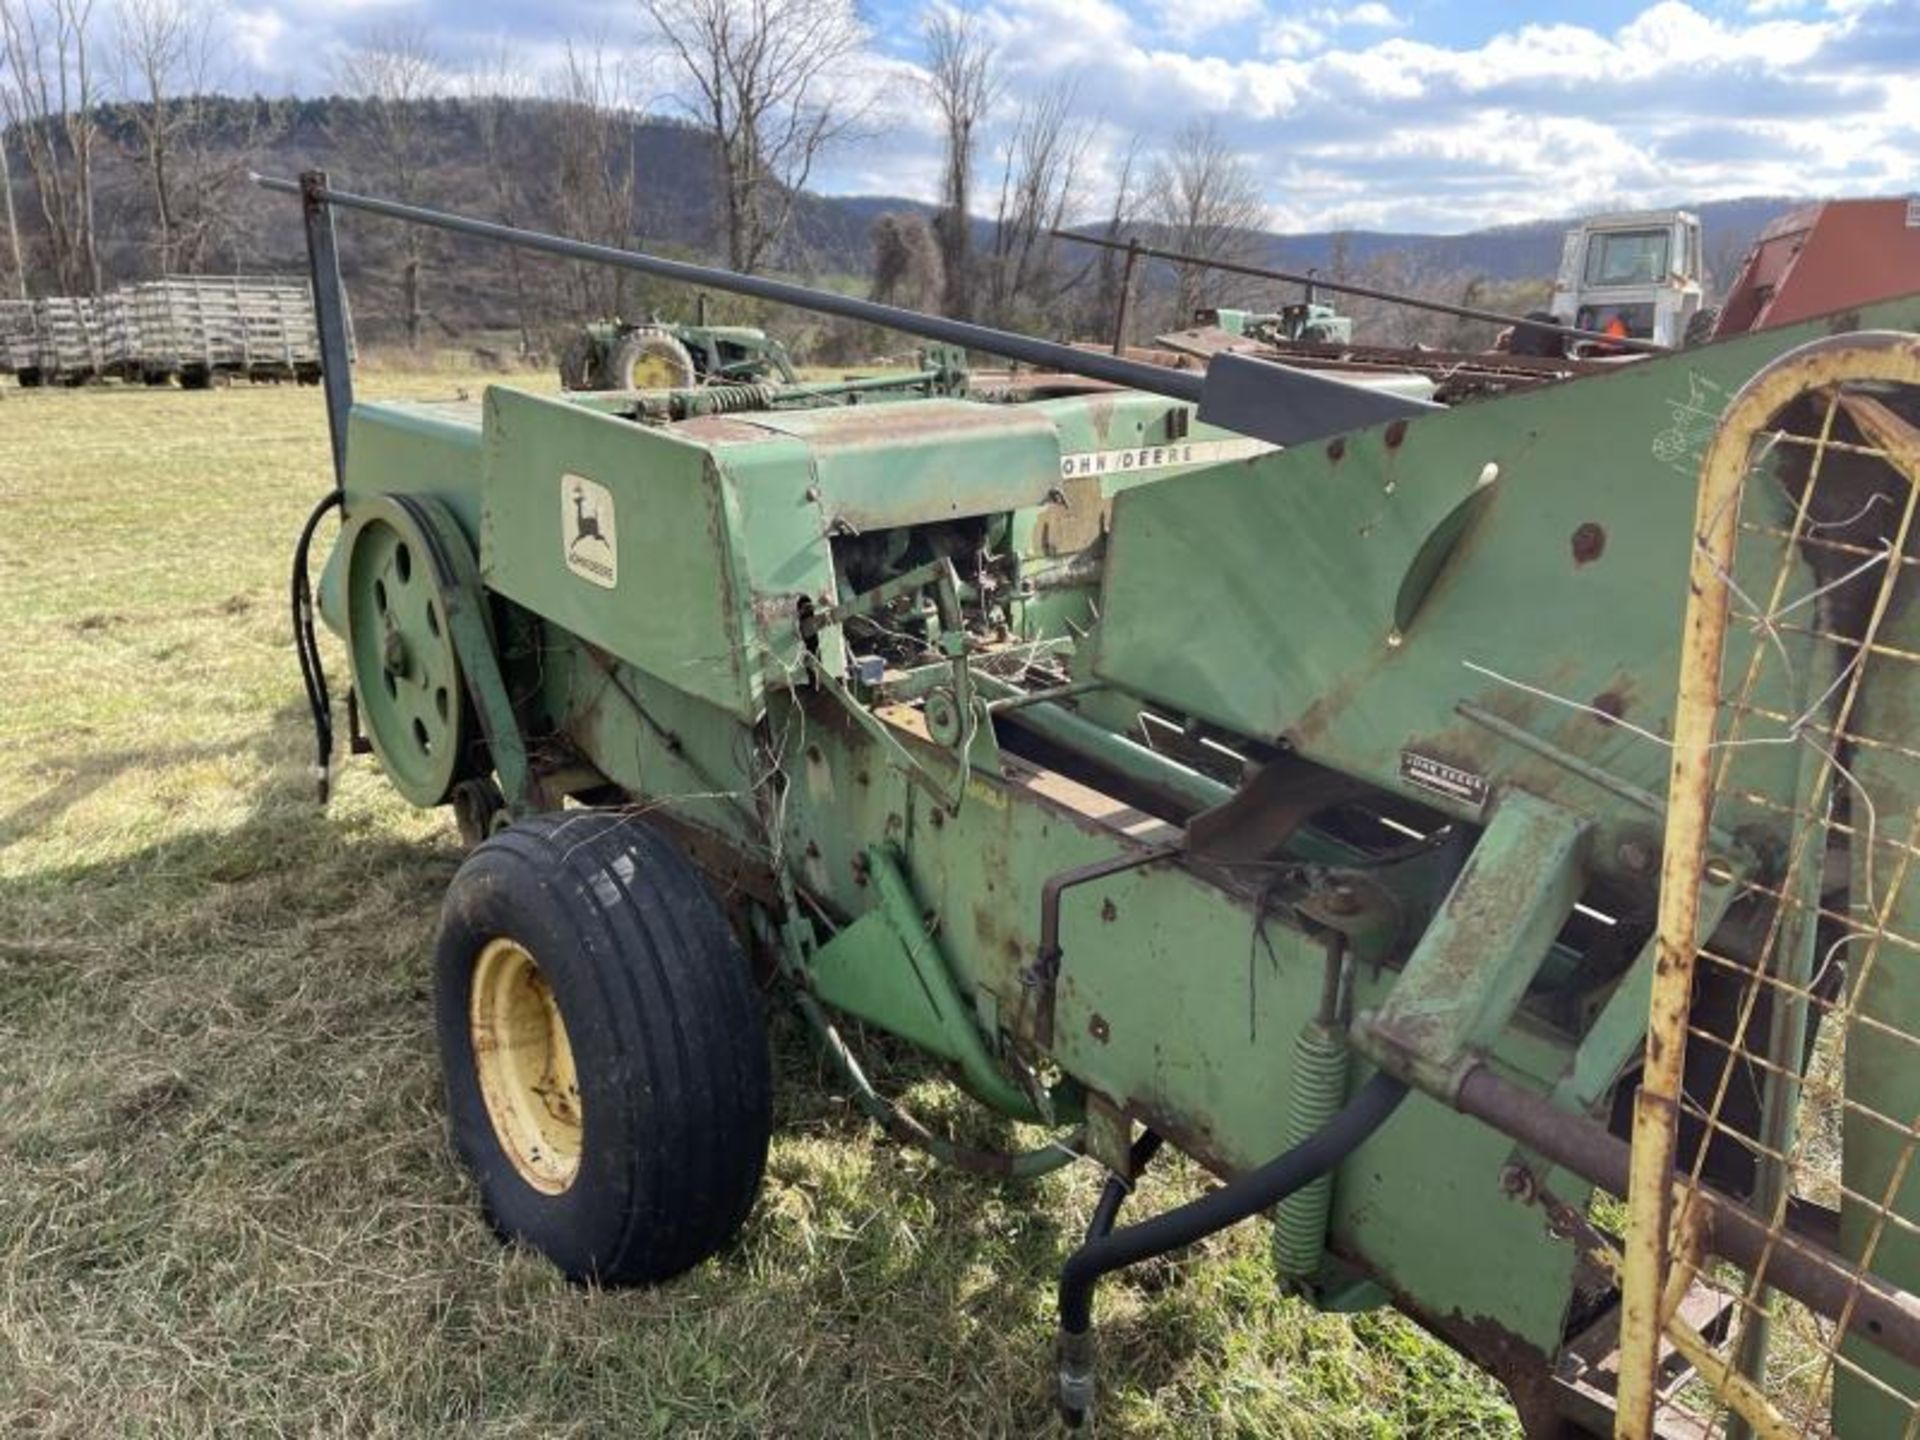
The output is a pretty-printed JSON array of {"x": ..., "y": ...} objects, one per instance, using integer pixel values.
[
  {"x": 653, "y": 372},
  {"x": 525, "y": 1064}
]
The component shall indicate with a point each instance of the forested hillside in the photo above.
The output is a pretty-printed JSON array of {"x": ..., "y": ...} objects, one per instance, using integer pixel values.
[{"x": 603, "y": 174}]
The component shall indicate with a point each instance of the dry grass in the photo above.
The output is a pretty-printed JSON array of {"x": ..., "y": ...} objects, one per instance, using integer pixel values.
[{"x": 227, "y": 1203}]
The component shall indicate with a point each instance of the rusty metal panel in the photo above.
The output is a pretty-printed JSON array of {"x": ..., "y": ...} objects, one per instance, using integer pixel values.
[{"x": 1823, "y": 259}]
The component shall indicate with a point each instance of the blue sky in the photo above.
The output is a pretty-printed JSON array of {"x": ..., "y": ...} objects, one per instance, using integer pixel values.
[{"x": 1402, "y": 114}]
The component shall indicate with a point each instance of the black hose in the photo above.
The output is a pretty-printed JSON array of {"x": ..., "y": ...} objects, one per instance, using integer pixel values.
[
  {"x": 1106, "y": 1250},
  {"x": 1114, "y": 1194},
  {"x": 312, "y": 673},
  {"x": 1258, "y": 1190}
]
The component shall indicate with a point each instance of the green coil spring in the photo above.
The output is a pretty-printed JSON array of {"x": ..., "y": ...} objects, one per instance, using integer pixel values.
[{"x": 1319, "y": 1089}]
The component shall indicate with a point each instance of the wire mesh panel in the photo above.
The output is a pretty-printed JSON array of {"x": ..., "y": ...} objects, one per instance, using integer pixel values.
[{"x": 1783, "y": 1054}]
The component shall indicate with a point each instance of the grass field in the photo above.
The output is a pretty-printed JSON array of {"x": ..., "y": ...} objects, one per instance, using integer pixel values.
[{"x": 227, "y": 1202}]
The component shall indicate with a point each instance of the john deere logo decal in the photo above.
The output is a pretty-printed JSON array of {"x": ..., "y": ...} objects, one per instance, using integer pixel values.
[{"x": 587, "y": 537}]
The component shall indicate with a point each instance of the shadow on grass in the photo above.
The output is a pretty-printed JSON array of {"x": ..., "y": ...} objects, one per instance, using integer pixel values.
[
  {"x": 86, "y": 772},
  {"x": 218, "y": 1092}
]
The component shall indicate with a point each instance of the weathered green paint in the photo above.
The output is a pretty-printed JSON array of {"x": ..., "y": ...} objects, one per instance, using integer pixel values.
[
  {"x": 1482, "y": 950},
  {"x": 1326, "y": 598},
  {"x": 418, "y": 447},
  {"x": 887, "y": 968},
  {"x": 1568, "y": 579},
  {"x": 470, "y": 621},
  {"x": 667, "y": 516}
]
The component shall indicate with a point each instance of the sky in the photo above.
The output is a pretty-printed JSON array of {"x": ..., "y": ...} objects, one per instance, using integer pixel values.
[{"x": 1425, "y": 115}]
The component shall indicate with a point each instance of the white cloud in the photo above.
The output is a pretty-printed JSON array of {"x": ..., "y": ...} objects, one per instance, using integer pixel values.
[
  {"x": 1190, "y": 19},
  {"x": 1371, "y": 16},
  {"x": 1350, "y": 125},
  {"x": 1310, "y": 31},
  {"x": 1349, "y": 110},
  {"x": 256, "y": 38}
]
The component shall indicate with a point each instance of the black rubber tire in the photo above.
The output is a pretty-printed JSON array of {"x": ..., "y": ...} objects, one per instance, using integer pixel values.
[
  {"x": 576, "y": 364},
  {"x": 1699, "y": 329},
  {"x": 30, "y": 379},
  {"x": 196, "y": 377},
  {"x": 479, "y": 809},
  {"x": 1536, "y": 340},
  {"x": 662, "y": 351},
  {"x": 669, "y": 1044}
]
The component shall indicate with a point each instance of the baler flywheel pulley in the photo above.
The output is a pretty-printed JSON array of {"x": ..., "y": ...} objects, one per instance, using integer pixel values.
[{"x": 406, "y": 672}]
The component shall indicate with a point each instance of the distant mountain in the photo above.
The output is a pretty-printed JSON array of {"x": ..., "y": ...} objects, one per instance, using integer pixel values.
[
  {"x": 1525, "y": 251},
  {"x": 468, "y": 287}
]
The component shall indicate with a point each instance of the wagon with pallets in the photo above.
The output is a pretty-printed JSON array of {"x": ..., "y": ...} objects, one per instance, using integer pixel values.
[
  {"x": 189, "y": 328},
  {"x": 196, "y": 327}
]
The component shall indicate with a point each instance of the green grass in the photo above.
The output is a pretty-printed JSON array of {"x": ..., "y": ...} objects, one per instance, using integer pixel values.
[{"x": 227, "y": 1201}]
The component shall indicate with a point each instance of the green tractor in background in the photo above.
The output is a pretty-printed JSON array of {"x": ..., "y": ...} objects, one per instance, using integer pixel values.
[
  {"x": 657, "y": 355},
  {"x": 1308, "y": 322}
]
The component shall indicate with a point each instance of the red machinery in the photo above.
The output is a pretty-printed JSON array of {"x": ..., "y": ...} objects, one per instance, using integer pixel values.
[{"x": 1824, "y": 258}]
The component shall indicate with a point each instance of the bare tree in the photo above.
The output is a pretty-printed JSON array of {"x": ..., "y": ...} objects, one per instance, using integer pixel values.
[
  {"x": 167, "y": 52},
  {"x": 1110, "y": 277},
  {"x": 6, "y": 190},
  {"x": 1038, "y": 187},
  {"x": 907, "y": 266},
  {"x": 595, "y": 170},
  {"x": 769, "y": 81},
  {"x": 1206, "y": 202},
  {"x": 497, "y": 91},
  {"x": 396, "y": 76},
  {"x": 50, "y": 103},
  {"x": 964, "y": 80}
]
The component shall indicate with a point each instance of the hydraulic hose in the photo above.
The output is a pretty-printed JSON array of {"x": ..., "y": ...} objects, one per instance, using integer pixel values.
[
  {"x": 1258, "y": 1190},
  {"x": 1114, "y": 1194},
  {"x": 312, "y": 674}
]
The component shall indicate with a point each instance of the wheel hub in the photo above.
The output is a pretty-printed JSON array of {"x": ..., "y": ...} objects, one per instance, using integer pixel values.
[{"x": 526, "y": 1068}]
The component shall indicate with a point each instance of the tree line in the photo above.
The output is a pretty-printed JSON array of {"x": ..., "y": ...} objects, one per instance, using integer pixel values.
[{"x": 119, "y": 159}]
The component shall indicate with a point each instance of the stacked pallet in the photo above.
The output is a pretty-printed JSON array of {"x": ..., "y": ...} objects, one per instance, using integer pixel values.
[
  {"x": 19, "y": 336},
  {"x": 70, "y": 338},
  {"x": 192, "y": 328}
]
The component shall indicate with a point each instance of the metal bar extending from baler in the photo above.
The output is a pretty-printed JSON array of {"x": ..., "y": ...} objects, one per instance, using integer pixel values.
[
  {"x": 1367, "y": 292},
  {"x": 1350, "y": 405},
  {"x": 1882, "y": 1313},
  {"x": 329, "y": 315}
]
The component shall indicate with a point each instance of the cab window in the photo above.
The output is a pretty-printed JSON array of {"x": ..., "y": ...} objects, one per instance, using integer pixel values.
[{"x": 1627, "y": 257}]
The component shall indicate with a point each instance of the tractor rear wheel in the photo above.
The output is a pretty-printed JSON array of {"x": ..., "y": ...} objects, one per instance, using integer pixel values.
[
  {"x": 650, "y": 360},
  {"x": 604, "y": 1051},
  {"x": 577, "y": 363},
  {"x": 1700, "y": 326},
  {"x": 1537, "y": 338}
]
